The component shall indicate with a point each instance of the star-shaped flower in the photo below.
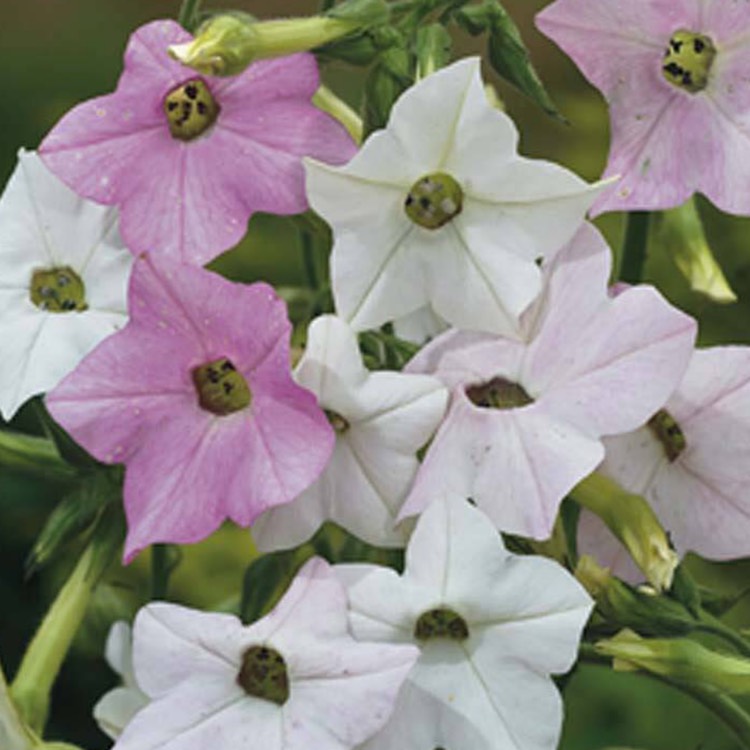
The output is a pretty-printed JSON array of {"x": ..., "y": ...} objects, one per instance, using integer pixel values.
[
  {"x": 114, "y": 710},
  {"x": 691, "y": 461},
  {"x": 188, "y": 158},
  {"x": 64, "y": 281},
  {"x": 438, "y": 208},
  {"x": 526, "y": 418},
  {"x": 381, "y": 420},
  {"x": 491, "y": 626},
  {"x": 675, "y": 77},
  {"x": 195, "y": 396},
  {"x": 293, "y": 680}
]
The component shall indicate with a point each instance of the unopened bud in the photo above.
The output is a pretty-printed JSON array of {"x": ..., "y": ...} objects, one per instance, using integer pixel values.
[
  {"x": 225, "y": 45},
  {"x": 630, "y": 518},
  {"x": 678, "y": 659}
]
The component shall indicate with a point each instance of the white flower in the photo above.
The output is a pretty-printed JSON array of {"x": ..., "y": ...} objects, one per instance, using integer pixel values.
[
  {"x": 293, "y": 680},
  {"x": 116, "y": 708},
  {"x": 691, "y": 461},
  {"x": 492, "y": 626},
  {"x": 438, "y": 208},
  {"x": 64, "y": 281},
  {"x": 381, "y": 420}
]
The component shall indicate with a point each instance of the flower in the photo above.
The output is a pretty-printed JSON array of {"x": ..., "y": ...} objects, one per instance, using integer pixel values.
[
  {"x": 491, "y": 626},
  {"x": 188, "y": 158},
  {"x": 439, "y": 209},
  {"x": 674, "y": 76},
  {"x": 381, "y": 420},
  {"x": 116, "y": 708},
  {"x": 525, "y": 418},
  {"x": 196, "y": 398},
  {"x": 293, "y": 680},
  {"x": 691, "y": 461},
  {"x": 64, "y": 281}
]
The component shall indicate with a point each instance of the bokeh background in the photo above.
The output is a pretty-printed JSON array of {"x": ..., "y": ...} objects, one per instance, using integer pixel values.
[{"x": 55, "y": 53}]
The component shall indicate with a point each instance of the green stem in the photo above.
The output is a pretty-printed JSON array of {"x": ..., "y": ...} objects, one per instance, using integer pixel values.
[
  {"x": 329, "y": 102},
  {"x": 33, "y": 455},
  {"x": 46, "y": 652},
  {"x": 635, "y": 247},
  {"x": 188, "y": 17},
  {"x": 160, "y": 570},
  {"x": 714, "y": 626}
]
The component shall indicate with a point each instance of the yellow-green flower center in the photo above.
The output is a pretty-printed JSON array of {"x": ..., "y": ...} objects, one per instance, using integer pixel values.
[
  {"x": 688, "y": 60},
  {"x": 339, "y": 423},
  {"x": 221, "y": 388},
  {"x": 434, "y": 200},
  {"x": 498, "y": 393},
  {"x": 666, "y": 430},
  {"x": 190, "y": 109},
  {"x": 263, "y": 675},
  {"x": 58, "y": 290},
  {"x": 441, "y": 623}
]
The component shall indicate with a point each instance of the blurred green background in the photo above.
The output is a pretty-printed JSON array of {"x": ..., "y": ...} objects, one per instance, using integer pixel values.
[{"x": 55, "y": 53}]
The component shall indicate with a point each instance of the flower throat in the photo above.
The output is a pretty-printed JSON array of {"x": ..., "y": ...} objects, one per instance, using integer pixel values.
[{"x": 688, "y": 60}]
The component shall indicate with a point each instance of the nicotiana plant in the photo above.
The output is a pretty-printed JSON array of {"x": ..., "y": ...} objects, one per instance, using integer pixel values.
[{"x": 472, "y": 451}]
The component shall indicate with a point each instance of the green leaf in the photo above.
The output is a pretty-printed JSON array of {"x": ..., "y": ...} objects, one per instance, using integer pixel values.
[
  {"x": 387, "y": 80},
  {"x": 267, "y": 578},
  {"x": 434, "y": 46},
  {"x": 76, "y": 514},
  {"x": 570, "y": 513},
  {"x": 362, "y": 12}
]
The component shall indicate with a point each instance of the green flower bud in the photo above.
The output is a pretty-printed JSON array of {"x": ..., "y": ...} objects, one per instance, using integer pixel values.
[
  {"x": 682, "y": 236},
  {"x": 225, "y": 45},
  {"x": 679, "y": 660},
  {"x": 630, "y": 518}
]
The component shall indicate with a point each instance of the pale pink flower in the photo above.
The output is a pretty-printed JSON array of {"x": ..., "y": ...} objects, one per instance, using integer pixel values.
[
  {"x": 293, "y": 680},
  {"x": 195, "y": 397},
  {"x": 590, "y": 365},
  {"x": 696, "y": 476},
  {"x": 188, "y": 158},
  {"x": 674, "y": 73}
]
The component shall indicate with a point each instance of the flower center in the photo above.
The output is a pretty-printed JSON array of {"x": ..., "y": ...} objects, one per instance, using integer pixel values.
[
  {"x": 441, "y": 623},
  {"x": 498, "y": 393},
  {"x": 339, "y": 424},
  {"x": 434, "y": 200},
  {"x": 688, "y": 60},
  {"x": 263, "y": 675},
  {"x": 191, "y": 110},
  {"x": 58, "y": 290},
  {"x": 221, "y": 388},
  {"x": 666, "y": 430}
]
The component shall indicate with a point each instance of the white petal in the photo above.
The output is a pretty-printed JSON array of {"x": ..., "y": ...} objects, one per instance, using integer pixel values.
[
  {"x": 118, "y": 650},
  {"x": 115, "y": 709},
  {"x": 419, "y": 326}
]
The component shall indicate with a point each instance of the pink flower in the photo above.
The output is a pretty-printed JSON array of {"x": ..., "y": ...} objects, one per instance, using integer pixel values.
[
  {"x": 196, "y": 398},
  {"x": 674, "y": 73},
  {"x": 691, "y": 462},
  {"x": 526, "y": 418},
  {"x": 189, "y": 158}
]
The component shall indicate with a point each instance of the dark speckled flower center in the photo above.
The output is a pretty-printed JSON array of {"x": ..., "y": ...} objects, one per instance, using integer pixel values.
[
  {"x": 221, "y": 388},
  {"x": 441, "y": 623},
  {"x": 434, "y": 200},
  {"x": 339, "y": 423},
  {"x": 58, "y": 290},
  {"x": 666, "y": 430},
  {"x": 688, "y": 60},
  {"x": 190, "y": 109},
  {"x": 263, "y": 675},
  {"x": 498, "y": 393}
]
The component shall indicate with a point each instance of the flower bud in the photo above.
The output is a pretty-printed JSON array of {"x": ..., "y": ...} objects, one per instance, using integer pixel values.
[
  {"x": 679, "y": 659},
  {"x": 683, "y": 238},
  {"x": 226, "y": 44},
  {"x": 630, "y": 518}
]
